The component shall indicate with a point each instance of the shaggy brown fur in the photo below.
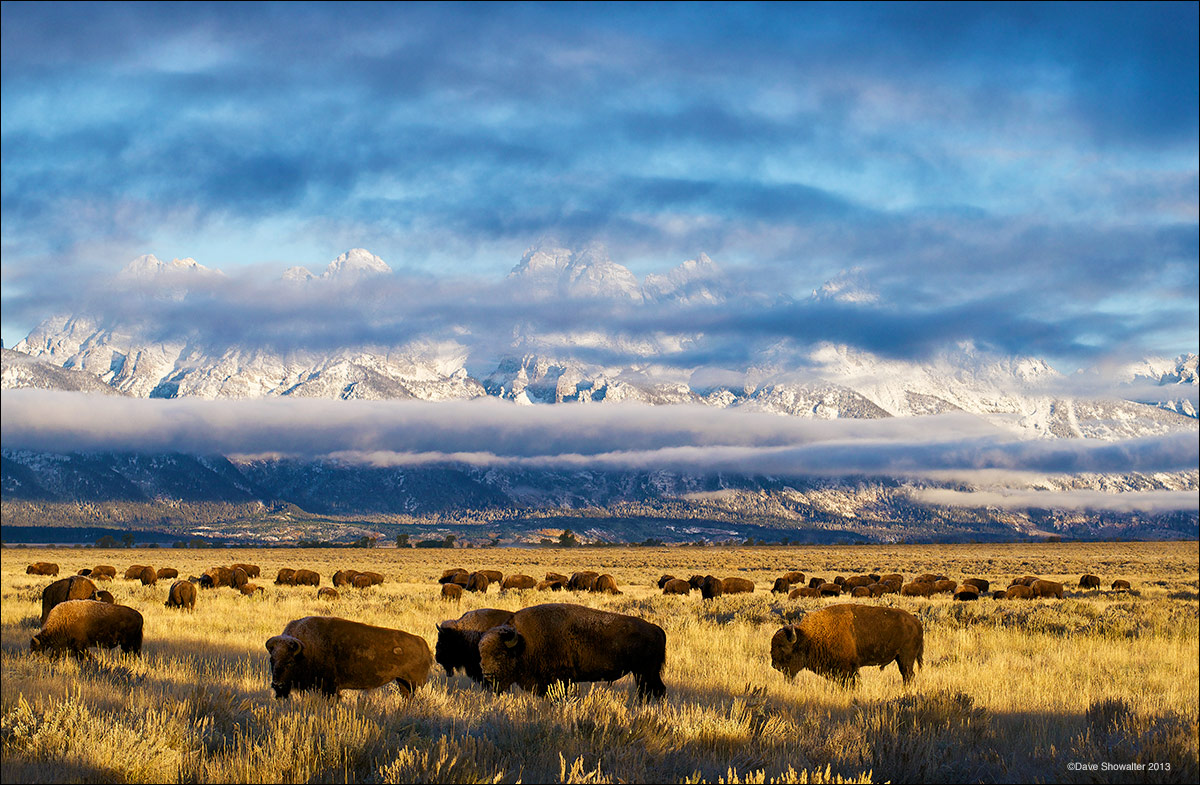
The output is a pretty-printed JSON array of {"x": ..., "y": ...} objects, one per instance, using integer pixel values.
[
  {"x": 1019, "y": 592},
  {"x": 583, "y": 581},
  {"x": 927, "y": 578},
  {"x": 182, "y": 594},
  {"x": 249, "y": 589},
  {"x": 238, "y": 577},
  {"x": 711, "y": 587},
  {"x": 781, "y": 586},
  {"x": 223, "y": 576},
  {"x": 916, "y": 589},
  {"x": 804, "y": 592},
  {"x": 835, "y": 642},
  {"x": 1047, "y": 589},
  {"x": 551, "y": 586},
  {"x": 149, "y": 576},
  {"x": 105, "y": 596},
  {"x": 167, "y": 573},
  {"x": 75, "y": 587},
  {"x": 816, "y": 583},
  {"x": 42, "y": 568},
  {"x": 326, "y": 593},
  {"x": 663, "y": 580},
  {"x": 793, "y": 577},
  {"x": 306, "y": 578},
  {"x": 134, "y": 572},
  {"x": 606, "y": 584},
  {"x": 478, "y": 582},
  {"x": 945, "y": 587},
  {"x": 860, "y": 591},
  {"x": 1024, "y": 581},
  {"x": 1089, "y": 582},
  {"x": 494, "y": 576},
  {"x": 829, "y": 590},
  {"x": 452, "y": 591},
  {"x": 1120, "y": 584},
  {"x": 966, "y": 594},
  {"x": 516, "y": 582},
  {"x": 454, "y": 575},
  {"x": 344, "y": 577},
  {"x": 365, "y": 579},
  {"x": 677, "y": 586},
  {"x": 284, "y": 578},
  {"x": 979, "y": 583},
  {"x": 894, "y": 577},
  {"x": 458, "y": 639},
  {"x": 557, "y": 642},
  {"x": 104, "y": 572},
  {"x": 77, "y": 625},
  {"x": 696, "y": 581},
  {"x": 557, "y": 576},
  {"x": 330, "y": 654},
  {"x": 251, "y": 570},
  {"x": 856, "y": 581},
  {"x": 738, "y": 585}
]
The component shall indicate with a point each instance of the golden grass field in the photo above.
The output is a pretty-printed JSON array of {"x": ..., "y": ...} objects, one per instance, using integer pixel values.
[{"x": 1010, "y": 692}]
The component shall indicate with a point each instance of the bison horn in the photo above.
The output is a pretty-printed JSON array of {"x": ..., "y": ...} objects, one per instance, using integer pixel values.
[
  {"x": 789, "y": 632},
  {"x": 509, "y": 636}
]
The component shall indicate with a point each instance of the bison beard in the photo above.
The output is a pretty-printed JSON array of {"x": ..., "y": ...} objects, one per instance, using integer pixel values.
[
  {"x": 458, "y": 640},
  {"x": 561, "y": 642}
]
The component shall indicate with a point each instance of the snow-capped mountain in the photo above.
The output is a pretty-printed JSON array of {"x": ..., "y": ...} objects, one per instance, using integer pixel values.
[{"x": 602, "y": 364}]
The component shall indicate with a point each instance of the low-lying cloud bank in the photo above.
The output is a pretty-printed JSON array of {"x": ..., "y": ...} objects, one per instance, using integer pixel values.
[
  {"x": 488, "y": 432},
  {"x": 1134, "y": 501}
]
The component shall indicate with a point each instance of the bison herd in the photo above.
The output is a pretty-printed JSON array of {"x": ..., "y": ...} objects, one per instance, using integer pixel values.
[{"x": 534, "y": 647}]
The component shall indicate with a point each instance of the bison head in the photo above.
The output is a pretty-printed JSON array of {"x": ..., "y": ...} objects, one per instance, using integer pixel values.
[
  {"x": 500, "y": 652},
  {"x": 453, "y": 649},
  {"x": 35, "y": 644},
  {"x": 286, "y": 655},
  {"x": 789, "y": 650}
]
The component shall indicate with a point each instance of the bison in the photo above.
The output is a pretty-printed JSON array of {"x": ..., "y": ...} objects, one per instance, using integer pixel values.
[
  {"x": 781, "y": 586},
  {"x": 966, "y": 594},
  {"x": 945, "y": 587},
  {"x": 835, "y": 642},
  {"x": 365, "y": 579},
  {"x": 222, "y": 576},
  {"x": 344, "y": 577},
  {"x": 1120, "y": 584},
  {"x": 458, "y": 639},
  {"x": 860, "y": 591},
  {"x": 105, "y": 596},
  {"x": 804, "y": 592},
  {"x": 478, "y": 582},
  {"x": 738, "y": 585},
  {"x": 856, "y": 581},
  {"x": 455, "y": 575},
  {"x": 238, "y": 577},
  {"x": 677, "y": 586},
  {"x": 149, "y": 576},
  {"x": 85, "y": 571},
  {"x": 793, "y": 577},
  {"x": 134, "y": 572},
  {"x": 816, "y": 583},
  {"x": 696, "y": 581},
  {"x": 1089, "y": 582},
  {"x": 494, "y": 576},
  {"x": 182, "y": 594},
  {"x": 251, "y": 570},
  {"x": 330, "y": 654},
  {"x": 518, "y": 582},
  {"x": 285, "y": 576},
  {"x": 75, "y": 587},
  {"x": 711, "y": 587},
  {"x": 165, "y": 573},
  {"x": 916, "y": 589},
  {"x": 326, "y": 593},
  {"x": 664, "y": 579},
  {"x": 249, "y": 589},
  {"x": 103, "y": 572},
  {"x": 306, "y": 578},
  {"x": 560, "y": 642},
  {"x": 551, "y": 586},
  {"x": 77, "y": 625},
  {"x": 1047, "y": 589},
  {"x": 981, "y": 585},
  {"x": 606, "y": 584},
  {"x": 42, "y": 568},
  {"x": 557, "y": 576},
  {"x": 893, "y": 577},
  {"x": 829, "y": 590},
  {"x": 452, "y": 591},
  {"x": 1018, "y": 592},
  {"x": 583, "y": 581}
]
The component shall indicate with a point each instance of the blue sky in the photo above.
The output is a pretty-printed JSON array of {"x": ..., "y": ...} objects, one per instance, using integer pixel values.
[{"x": 1028, "y": 172}]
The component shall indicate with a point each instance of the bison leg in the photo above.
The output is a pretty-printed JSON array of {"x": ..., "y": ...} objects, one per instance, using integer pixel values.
[
  {"x": 405, "y": 686},
  {"x": 650, "y": 686},
  {"x": 905, "y": 664}
]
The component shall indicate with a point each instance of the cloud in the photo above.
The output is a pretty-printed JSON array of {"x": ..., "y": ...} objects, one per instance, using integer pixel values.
[
  {"x": 1150, "y": 502},
  {"x": 690, "y": 439}
]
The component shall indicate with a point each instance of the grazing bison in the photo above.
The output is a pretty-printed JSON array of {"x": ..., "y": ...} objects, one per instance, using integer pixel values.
[
  {"x": 860, "y": 591},
  {"x": 583, "y": 581},
  {"x": 677, "y": 586},
  {"x": 606, "y": 584},
  {"x": 1089, "y": 582},
  {"x": 829, "y": 590},
  {"x": 893, "y": 577},
  {"x": 664, "y": 579},
  {"x": 551, "y": 586},
  {"x": 478, "y": 582},
  {"x": 330, "y": 654},
  {"x": 945, "y": 587},
  {"x": 1019, "y": 592},
  {"x": 1120, "y": 584},
  {"x": 518, "y": 582},
  {"x": 711, "y": 587},
  {"x": 928, "y": 578},
  {"x": 1000, "y": 594},
  {"x": 738, "y": 585},
  {"x": 166, "y": 573},
  {"x": 182, "y": 594},
  {"x": 238, "y": 577},
  {"x": 1024, "y": 581},
  {"x": 557, "y": 576},
  {"x": 840, "y": 580},
  {"x": 326, "y": 593},
  {"x": 696, "y": 581},
  {"x": 856, "y": 581},
  {"x": 86, "y": 571},
  {"x": 105, "y": 596},
  {"x": 781, "y": 586},
  {"x": 285, "y": 576},
  {"x": 793, "y": 577},
  {"x": 103, "y": 572},
  {"x": 452, "y": 591},
  {"x": 251, "y": 570},
  {"x": 458, "y": 639},
  {"x": 916, "y": 589},
  {"x": 249, "y": 589},
  {"x": 344, "y": 577},
  {"x": 75, "y": 587},
  {"x": 804, "y": 592},
  {"x": 557, "y": 642},
  {"x": 1047, "y": 589},
  {"x": 966, "y": 594},
  {"x": 77, "y": 625},
  {"x": 494, "y": 576},
  {"x": 134, "y": 572},
  {"x": 816, "y": 583},
  {"x": 835, "y": 642},
  {"x": 306, "y": 578},
  {"x": 455, "y": 575},
  {"x": 878, "y": 589},
  {"x": 42, "y": 568},
  {"x": 980, "y": 584},
  {"x": 220, "y": 576},
  {"x": 365, "y": 579},
  {"x": 149, "y": 576}
]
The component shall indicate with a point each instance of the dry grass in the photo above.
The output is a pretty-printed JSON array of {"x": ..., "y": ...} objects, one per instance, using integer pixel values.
[{"x": 1009, "y": 692}]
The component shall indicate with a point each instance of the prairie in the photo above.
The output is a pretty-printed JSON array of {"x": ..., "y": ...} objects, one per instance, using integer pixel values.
[{"x": 1010, "y": 691}]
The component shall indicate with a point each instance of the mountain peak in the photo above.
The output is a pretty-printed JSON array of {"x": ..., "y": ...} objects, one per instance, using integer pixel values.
[
  {"x": 850, "y": 286},
  {"x": 585, "y": 273},
  {"x": 354, "y": 263},
  {"x": 148, "y": 266},
  {"x": 688, "y": 282}
]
